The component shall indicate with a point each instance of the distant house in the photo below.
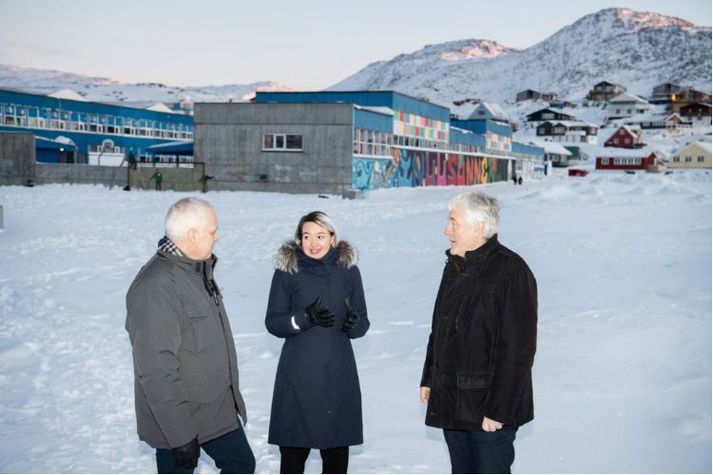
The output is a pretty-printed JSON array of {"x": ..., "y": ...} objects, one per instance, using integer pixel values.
[
  {"x": 603, "y": 91},
  {"x": 693, "y": 155},
  {"x": 555, "y": 154},
  {"x": 689, "y": 96},
  {"x": 627, "y": 105},
  {"x": 527, "y": 95},
  {"x": 548, "y": 113},
  {"x": 694, "y": 95},
  {"x": 569, "y": 131},
  {"x": 563, "y": 104},
  {"x": 612, "y": 158},
  {"x": 532, "y": 95},
  {"x": 489, "y": 111},
  {"x": 697, "y": 113},
  {"x": 658, "y": 121},
  {"x": 626, "y": 137},
  {"x": 666, "y": 90}
]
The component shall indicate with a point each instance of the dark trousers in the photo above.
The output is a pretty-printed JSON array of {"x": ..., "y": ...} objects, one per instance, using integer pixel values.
[
  {"x": 231, "y": 454},
  {"x": 481, "y": 452},
  {"x": 292, "y": 459}
]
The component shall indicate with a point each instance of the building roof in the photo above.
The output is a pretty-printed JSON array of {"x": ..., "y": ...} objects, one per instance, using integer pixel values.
[
  {"x": 550, "y": 147},
  {"x": 625, "y": 97},
  {"x": 610, "y": 83},
  {"x": 637, "y": 119},
  {"x": 705, "y": 146},
  {"x": 67, "y": 94},
  {"x": 554, "y": 110},
  {"x": 624, "y": 152},
  {"x": 379, "y": 110},
  {"x": 491, "y": 108},
  {"x": 160, "y": 107}
]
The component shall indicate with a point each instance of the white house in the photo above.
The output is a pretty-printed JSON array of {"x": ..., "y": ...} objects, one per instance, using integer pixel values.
[{"x": 627, "y": 105}]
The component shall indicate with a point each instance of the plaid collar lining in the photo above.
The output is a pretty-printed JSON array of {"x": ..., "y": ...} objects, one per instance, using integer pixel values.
[{"x": 167, "y": 246}]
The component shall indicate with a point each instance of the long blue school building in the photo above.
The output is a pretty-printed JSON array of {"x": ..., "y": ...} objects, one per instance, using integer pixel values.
[{"x": 93, "y": 133}]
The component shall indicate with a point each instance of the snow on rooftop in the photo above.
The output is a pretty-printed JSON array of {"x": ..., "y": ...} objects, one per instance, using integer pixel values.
[
  {"x": 67, "y": 94},
  {"x": 378, "y": 109},
  {"x": 160, "y": 107},
  {"x": 550, "y": 147},
  {"x": 625, "y": 97}
]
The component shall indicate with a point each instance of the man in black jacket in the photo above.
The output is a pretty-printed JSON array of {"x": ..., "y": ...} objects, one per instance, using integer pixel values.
[
  {"x": 186, "y": 387},
  {"x": 477, "y": 378}
]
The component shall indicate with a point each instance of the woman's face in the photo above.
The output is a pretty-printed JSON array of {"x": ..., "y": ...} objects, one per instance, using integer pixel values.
[{"x": 316, "y": 240}]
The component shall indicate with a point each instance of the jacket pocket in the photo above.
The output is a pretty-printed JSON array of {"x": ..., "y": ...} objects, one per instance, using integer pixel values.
[
  {"x": 474, "y": 380},
  {"x": 470, "y": 394},
  {"x": 201, "y": 334}
]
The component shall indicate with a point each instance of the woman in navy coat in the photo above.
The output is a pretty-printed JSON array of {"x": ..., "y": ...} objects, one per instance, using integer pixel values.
[{"x": 317, "y": 305}]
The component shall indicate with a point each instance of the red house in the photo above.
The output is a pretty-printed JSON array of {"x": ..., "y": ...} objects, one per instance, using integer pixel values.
[
  {"x": 627, "y": 159},
  {"x": 625, "y": 137}
]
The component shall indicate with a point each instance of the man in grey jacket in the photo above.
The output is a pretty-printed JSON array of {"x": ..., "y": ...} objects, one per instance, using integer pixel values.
[{"x": 185, "y": 367}]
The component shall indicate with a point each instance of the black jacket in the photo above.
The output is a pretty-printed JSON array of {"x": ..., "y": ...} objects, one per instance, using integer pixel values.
[
  {"x": 317, "y": 400},
  {"x": 482, "y": 343}
]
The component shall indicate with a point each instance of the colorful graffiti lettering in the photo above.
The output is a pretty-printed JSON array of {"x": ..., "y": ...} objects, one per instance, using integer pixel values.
[{"x": 411, "y": 168}]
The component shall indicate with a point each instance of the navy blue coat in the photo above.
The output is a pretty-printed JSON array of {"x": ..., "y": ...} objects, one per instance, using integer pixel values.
[{"x": 316, "y": 402}]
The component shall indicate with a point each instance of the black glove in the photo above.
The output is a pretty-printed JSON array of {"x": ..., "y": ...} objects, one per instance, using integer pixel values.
[
  {"x": 317, "y": 314},
  {"x": 350, "y": 318},
  {"x": 186, "y": 456}
]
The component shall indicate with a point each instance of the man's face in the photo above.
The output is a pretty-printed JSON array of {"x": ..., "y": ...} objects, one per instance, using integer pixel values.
[
  {"x": 202, "y": 238},
  {"x": 463, "y": 236}
]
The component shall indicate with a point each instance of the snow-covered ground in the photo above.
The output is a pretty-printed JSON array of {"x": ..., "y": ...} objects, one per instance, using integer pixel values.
[{"x": 622, "y": 373}]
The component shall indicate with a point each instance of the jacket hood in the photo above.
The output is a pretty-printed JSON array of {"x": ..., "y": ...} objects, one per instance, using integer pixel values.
[{"x": 287, "y": 257}]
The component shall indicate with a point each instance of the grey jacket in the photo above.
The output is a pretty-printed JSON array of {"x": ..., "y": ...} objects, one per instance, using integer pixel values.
[{"x": 185, "y": 366}]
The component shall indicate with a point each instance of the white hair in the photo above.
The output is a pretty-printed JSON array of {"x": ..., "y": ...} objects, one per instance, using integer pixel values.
[
  {"x": 186, "y": 214},
  {"x": 479, "y": 208}
]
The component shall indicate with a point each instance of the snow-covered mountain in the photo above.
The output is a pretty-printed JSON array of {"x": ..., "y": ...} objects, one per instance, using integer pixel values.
[
  {"x": 108, "y": 90},
  {"x": 636, "y": 49}
]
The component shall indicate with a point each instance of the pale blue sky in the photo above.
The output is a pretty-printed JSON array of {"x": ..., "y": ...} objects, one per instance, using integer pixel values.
[{"x": 308, "y": 44}]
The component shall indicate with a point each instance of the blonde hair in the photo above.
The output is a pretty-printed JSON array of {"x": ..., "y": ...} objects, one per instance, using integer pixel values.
[{"x": 321, "y": 219}]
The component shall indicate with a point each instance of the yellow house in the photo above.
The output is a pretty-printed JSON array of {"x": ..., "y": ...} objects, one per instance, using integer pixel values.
[{"x": 693, "y": 155}]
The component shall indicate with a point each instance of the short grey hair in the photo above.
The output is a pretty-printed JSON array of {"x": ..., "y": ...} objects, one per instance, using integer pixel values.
[
  {"x": 185, "y": 214},
  {"x": 320, "y": 218},
  {"x": 479, "y": 208}
]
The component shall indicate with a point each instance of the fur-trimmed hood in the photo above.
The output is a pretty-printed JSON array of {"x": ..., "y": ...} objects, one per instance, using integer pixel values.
[{"x": 287, "y": 258}]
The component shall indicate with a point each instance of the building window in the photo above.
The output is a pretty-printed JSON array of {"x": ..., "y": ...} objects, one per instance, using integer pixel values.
[
  {"x": 688, "y": 159},
  {"x": 605, "y": 161},
  {"x": 700, "y": 158},
  {"x": 282, "y": 142},
  {"x": 676, "y": 159}
]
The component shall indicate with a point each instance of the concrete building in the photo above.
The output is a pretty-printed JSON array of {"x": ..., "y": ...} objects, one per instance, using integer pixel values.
[{"x": 345, "y": 143}]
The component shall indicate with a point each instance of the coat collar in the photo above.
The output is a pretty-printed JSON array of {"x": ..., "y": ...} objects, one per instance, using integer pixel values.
[
  {"x": 204, "y": 267},
  {"x": 291, "y": 258},
  {"x": 476, "y": 256}
]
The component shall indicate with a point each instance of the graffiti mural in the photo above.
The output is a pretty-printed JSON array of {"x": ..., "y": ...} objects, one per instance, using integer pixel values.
[{"x": 410, "y": 168}]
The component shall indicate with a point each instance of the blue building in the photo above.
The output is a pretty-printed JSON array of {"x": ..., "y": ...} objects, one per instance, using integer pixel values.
[
  {"x": 399, "y": 140},
  {"x": 77, "y": 131}
]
